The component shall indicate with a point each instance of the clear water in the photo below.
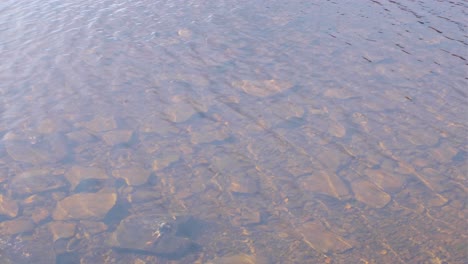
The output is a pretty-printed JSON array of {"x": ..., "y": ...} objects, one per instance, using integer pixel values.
[{"x": 295, "y": 131}]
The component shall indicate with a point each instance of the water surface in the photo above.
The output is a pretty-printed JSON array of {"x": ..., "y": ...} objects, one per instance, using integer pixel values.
[{"x": 249, "y": 131}]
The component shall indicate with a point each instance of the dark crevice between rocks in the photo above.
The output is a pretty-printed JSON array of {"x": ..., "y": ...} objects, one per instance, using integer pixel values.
[{"x": 116, "y": 214}]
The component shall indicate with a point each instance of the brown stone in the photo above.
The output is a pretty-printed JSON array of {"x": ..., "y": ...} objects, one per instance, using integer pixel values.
[
  {"x": 235, "y": 259},
  {"x": 262, "y": 88},
  {"x": 77, "y": 174},
  {"x": 40, "y": 149},
  {"x": 16, "y": 226},
  {"x": 247, "y": 216},
  {"x": 339, "y": 93},
  {"x": 180, "y": 112},
  {"x": 443, "y": 153},
  {"x": 145, "y": 195},
  {"x": 157, "y": 125},
  {"x": 116, "y": 137},
  {"x": 80, "y": 136},
  {"x": 184, "y": 33},
  {"x": 155, "y": 235},
  {"x": 133, "y": 176},
  {"x": 139, "y": 261},
  {"x": 336, "y": 129},
  {"x": 323, "y": 240},
  {"x": 208, "y": 134},
  {"x": 36, "y": 181},
  {"x": 3, "y": 174},
  {"x": 52, "y": 125},
  {"x": 389, "y": 182},
  {"x": 287, "y": 110},
  {"x": 39, "y": 214},
  {"x": 93, "y": 227},
  {"x": 165, "y": 160},
  {"x": 243, "y": 184},
  {"x": 8, "y": 207},
  {"x": 370, "y": 194},
  {"x": 101, "y": 124},
  {"x": 325, "y": 183},
  {"x": 84, "y": 206},
  {"x": 61, "y": 230},
  {"x": 196, "y": 79}
]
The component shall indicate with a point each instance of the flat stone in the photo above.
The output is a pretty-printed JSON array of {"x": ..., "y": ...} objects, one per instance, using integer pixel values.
[
  {"x": 116, "y": 137},
  {"x": 262, "y": 88},
  {"x": 8, "y": 207},
  {"x": 208, "y": 134},
  {"x": 158, "y": 126},
  {"x": 336, "y": 129},
  {"x": 81, "y": 136},
  {"x": 235, "y": 259},
  {"x": 243, "y": 184},
  {"x": 247, "y": 216},
  {"x": 142, "y": 196},
  {"x": 422, "y": 137},
  {"x": 184, "y": 33},
  {"x": 165, "y": 160},
  {"x": 101, "y": 124},
  {"x": 84, "y": 206},
  {"x": 239, "y": 170},
  {"x": 133, "y": 176},
  {"x": 325, "y": 183},
  {"x": 196, "y": 79},
  {"x": 50, "y": 126},
  {"x": 78, "y": 174},
  {"x": 154, "y": 235},
  {"x": 339, "y": 93},
  {"x": 92, "y": 227},
  {"x": 37, "y": 149},
  {"x": 61, "y": 229},
  {"x": 3, "y": 173},
  {"x": 323, "y": 240},
  {"x": 370, "y": 194},
  {"x": 36, "y": 181},
  {"x": 290, "y": 110},
  {"x": 39, "y": 214},
  {"x": 180, "y": 112},
  {"x": 16, "y": 226},
  {"x": 389, "y": 182}
]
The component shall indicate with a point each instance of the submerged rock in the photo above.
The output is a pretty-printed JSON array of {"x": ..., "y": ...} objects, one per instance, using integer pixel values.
[
  {"x": 61, "y": 229},
  {"x": 181, "y": 112},
  {"x": 262, "y": 88},
  {"x": 116, "y": 137},
  {"x": 133, "y": 175},
  {"x": 165, "y": 160},
  {"x": 208, "y": 134},
  {"x": 16, "y": 226},
  {"x": 78, "y": 174},
  {"x": 84, "y": 206},
  {"x": 323, "y": 240},
  {"x": 8, "y": 207},
  {"x": 370, "y": 194},
  {"x": 101, "y": 124},
  {"x": 156, "y": 235},
  {"x": 325, "y": 183},
  {"x": 39, "y": 214},
  {"x": 235, "y": 259},
  {"x": 36, "y": 149},
  {"x": 36, "y": 181}
]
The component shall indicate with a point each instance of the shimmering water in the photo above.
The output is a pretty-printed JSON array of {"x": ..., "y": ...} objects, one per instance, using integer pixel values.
[{"x": 233, "y": 131}]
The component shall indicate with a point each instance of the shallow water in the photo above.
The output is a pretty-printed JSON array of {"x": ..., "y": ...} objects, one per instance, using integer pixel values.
[{"x": 287, "y": 131}]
